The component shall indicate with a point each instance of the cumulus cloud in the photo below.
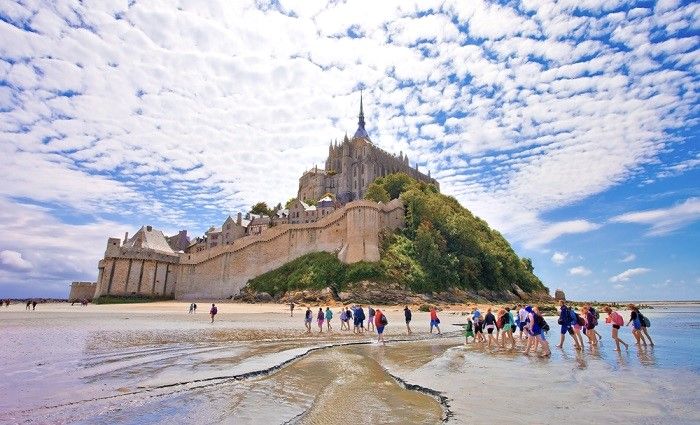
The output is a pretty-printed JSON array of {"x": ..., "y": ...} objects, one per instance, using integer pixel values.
[
  {"x": 628, "y": 274},
  {"x": 579, "y": 271},
  {"x": 664, "y": 220},
  {"x": 555, "y": 230},
  {"x": 559, "y": 258},
  {"x": 13, "y": 261}
]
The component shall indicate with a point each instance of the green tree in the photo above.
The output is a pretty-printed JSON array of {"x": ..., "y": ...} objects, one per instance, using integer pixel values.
[
  {"x": 377, "y": 193},
  {"x": 260, "y": 209},
  {"x": 289, "y": 202},
  {"x": 397, "y": 183}
]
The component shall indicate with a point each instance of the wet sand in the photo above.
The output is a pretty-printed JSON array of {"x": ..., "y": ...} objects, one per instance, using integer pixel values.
[{"x": 154, "y": 363}]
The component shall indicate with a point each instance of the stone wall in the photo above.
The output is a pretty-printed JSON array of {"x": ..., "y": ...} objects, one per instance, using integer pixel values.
[
  {"x": 352, "y": 232},
  {"x": 82, "y": 291}
]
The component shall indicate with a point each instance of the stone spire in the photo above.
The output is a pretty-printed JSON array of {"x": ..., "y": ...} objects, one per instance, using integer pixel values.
[{"x": 361, "y": 132}]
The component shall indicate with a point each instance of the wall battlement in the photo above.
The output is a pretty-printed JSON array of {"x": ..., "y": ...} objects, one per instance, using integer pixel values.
[{"x": 351, "y": 232}]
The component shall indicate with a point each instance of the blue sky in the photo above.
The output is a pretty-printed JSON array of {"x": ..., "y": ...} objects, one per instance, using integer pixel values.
[{"x": 571, "y": 127}]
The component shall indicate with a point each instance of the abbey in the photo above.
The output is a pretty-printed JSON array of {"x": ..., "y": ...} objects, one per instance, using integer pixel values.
[{"x": 351, "y": 167}]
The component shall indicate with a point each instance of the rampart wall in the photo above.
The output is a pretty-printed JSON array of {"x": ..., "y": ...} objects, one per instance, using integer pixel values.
[{"x": 222, "y": 271}]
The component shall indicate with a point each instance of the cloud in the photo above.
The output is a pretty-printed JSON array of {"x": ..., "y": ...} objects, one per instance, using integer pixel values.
[
  {"x": 628, "y": 274},
  {"x": 664, "y": 220},
  {"x": 559, "y": 258},
  {"x": 555, "y": 230},
  {"x": 13, "y": 261},
  {"x": 628, "y": 258},
  {"x": 579, "y": 271}
]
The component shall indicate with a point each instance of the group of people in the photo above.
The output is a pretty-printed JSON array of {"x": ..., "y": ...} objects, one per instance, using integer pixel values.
[
  {"x": 376, "y": 320},
  {"x": 31, "y": 305},
  {"x": 532, "y": 327}
]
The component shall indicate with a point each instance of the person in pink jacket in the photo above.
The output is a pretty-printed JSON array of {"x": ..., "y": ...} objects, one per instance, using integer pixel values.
[{"x": 617, "y": 322}]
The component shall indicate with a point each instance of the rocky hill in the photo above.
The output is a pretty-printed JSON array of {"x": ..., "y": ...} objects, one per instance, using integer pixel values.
[{"x": 445, "y": 253}]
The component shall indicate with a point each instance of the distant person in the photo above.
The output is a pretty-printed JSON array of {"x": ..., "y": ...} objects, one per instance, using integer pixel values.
[
  {"x": 469, "y": 330},
  {"x": 7, "y": 302},
  {"x": 370, "y": 318},
  {"x": 213, "y": 311},
  {"x": 617, "y": 322},
  {"x": 195, "y": 307},
  {"x": 543, "y": 327},
  {"x": 29, "y": 305},
  {"x": 343, "y": 319},
  {"x": 360, "y": 314},
  {"x": 478, "y": 326},
  {"x": 319, "y": 319},
  {"x": 34, "y": 308},
  {"x": 636, "y": 324},
  {"x": 507, "y": 328},
  {"x": 329, "y": 317},
  {"x": 646, "y": 323},
  {"x": 434, "y": 320},
  {"x": 349, "y": 316},
  {"x": 308, "y": 317},
  {"x": 490, "y": 325},
  {"x": 380, "y": 321},
  {"x": 408, "y": 316},
  {"x": 597, "y": 319},
  {"x": 191, "y": 310},
  {"x": 291, "y": 309}
]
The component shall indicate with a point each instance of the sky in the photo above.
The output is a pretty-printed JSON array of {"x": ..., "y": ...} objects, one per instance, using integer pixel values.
[{"x": 571, "y": 127}]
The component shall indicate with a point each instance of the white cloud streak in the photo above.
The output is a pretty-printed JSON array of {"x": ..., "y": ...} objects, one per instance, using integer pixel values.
[
  {"x": 664, "y": 220},
  {"x": 629, "y": 274}
]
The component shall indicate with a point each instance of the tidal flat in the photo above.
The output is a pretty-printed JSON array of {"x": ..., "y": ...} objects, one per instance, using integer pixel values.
[{"x": 155, "y": 363}]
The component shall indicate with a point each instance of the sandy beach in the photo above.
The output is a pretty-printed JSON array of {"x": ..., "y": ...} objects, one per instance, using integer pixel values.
[{"x": 155, "y": 363}]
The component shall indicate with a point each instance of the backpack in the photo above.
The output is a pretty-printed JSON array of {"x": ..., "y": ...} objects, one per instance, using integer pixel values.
[
  {"x": 573, "y": 316},
  {"x": 539, "y": 320},
  {"x": 644, "y": 320},
  {"x": 383, "y": 320},
  {"x": 580, "y": 320},
  {"x": 596, "y": 314},
  {"x": 499, "y": 322}
]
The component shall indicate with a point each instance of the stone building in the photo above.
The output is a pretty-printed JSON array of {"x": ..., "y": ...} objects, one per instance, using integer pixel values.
[
  {"x": 179, "y": 242},
  {"x": 82, "y": 291},
  {"x": 352, "y": 165}
]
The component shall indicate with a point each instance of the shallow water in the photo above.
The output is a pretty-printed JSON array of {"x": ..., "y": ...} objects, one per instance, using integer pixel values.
[{"x": 98, "y": 366}]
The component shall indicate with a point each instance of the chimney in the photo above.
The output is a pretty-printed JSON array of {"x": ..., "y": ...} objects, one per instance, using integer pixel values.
[
  {"x": 149, "y": 228},
  {"x": 238, "y": 219},
  {"x": 126, "y": 236}
]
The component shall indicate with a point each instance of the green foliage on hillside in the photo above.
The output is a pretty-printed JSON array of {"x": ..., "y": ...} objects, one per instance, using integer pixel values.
[
  {"x": 317, "y": 270},
  {"x": 444, "y": 245}
]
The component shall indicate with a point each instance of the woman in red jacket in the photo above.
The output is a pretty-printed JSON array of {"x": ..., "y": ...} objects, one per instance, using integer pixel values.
[{"x": 379, "y": 322}]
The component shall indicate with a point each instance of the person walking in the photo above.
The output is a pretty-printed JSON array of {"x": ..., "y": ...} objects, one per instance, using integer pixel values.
[
  {"x": 408, "y": 316},
  {"x": 380, "y": 321},
  {"x": 646, "y": 323},
  {"x": 29, "y": 305},
  {"x": 195, "y": 308},
  {"x": 636, "y": 324},
  {"x": 434, "y": 320},
  {"x": 213, "y": 311},
  {"x": 360, "y": 316},
  {"x": 320, "y": 317},
  {"x": 370, "y": 318},
  {"x": 617, "y": 322},
  {"x": 590, "y": 325},
  {"x": 34, "y": 308},
  {"x": 308, "y": 317},
  {"x": 490, "y": 325},
  {"x": 291, "y": 309},
  {"x": 343, "y": 319},
  {"x": 329, "y": 317},
  {"x": 522, "y": 319},
  {"x": 507, "y": 328},
  {"x": 469, "y": 330},
  {"x": 191, "y": 308},
  {"x": 567, "y": 317}
]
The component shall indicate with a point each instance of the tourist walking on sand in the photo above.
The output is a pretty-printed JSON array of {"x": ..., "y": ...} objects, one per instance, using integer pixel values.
[
  {"x": 617, "y": 322},
  {"x": 522, "y": 319},
  {"x": 380, "y": 321},
  {"x": 319, "y": 319},
  {"x": 590, "y": 325},
  {"x": 506, "y": 319},
  {"x": 359, "y": 320},
  {"x": 307, "y": 319},
  {"x": 408, "y": 316},
  {"x": 567, "y": 317},
  {"x": 291, "y": 309},
  {"x": 370, "y": 320},
  {"x": 434, "y": 320},
  {"x": 191, "y": 310},
  {"x": 195, "y": 308},
  {"x": 490, "y": 325},
  {"x": 636, "y": 324},
  {"x": 343, "y": 319},
  {"x": 213, "y": 311},
  {"x": 469, "y": 330},
  {"x": 348, "y": 313},
  {"x": 34, "y": 308},
  {"x": 597, "y": 318},
  {"x": 329, "y": 317},
  {"x": 478, "y": 326},
  {"x": 536, "y": 326},
  {"x": 646, "y": 323},
  {"x": 29, "y": 304}
]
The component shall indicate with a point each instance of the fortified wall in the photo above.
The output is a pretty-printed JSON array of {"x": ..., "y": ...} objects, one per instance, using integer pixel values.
[{"x": 222, "y": 271}]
